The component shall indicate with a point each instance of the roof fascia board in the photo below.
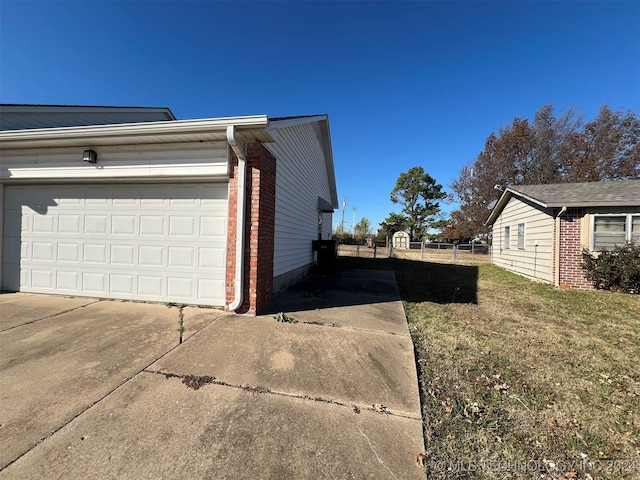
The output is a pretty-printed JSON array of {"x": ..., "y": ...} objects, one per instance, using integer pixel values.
[
  {"x": 504, "y": 199},
  {"x": 323, "y": 121},
  {"x": 14, "y": 138},
  {"x": 531, "y": 199},
  {"x": 499, "y": 206},
  {"x": 297, "y": 121},
  {"x": 328, "y": 158},
  {"x": 603, "y": 203}
]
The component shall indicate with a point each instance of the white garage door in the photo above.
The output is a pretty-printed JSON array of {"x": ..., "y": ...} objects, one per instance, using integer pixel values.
[{"x": 141, "y": 242}]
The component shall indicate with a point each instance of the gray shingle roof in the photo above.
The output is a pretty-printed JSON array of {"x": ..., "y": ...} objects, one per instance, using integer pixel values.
[
  {"x": 621, "y": 193},
  {"x": 27, "y": 117},
  {"x": 592, "y": 194}
]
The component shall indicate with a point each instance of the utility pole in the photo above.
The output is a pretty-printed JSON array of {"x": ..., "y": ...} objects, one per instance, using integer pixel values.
[
  {"x": 353, "y": 225},
  {"x": 344, "y": 206}
]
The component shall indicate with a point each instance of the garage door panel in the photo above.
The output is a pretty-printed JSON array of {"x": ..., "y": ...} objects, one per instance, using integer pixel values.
[
  {"x": 68, "y": 281},
  {"x": 152, "y": 286},
  {"x": 181, "y": 226},
  {"x": 93, "y": 282},
  {"x": 152, "y": 225},
  {"x": 69, "y": 224},
  {"x": 130, "y": 242},
  {"x": 94, "y": 253},
  {"x": 210, "y": 257},
  {"x": 69, "y": 252},
  {"x": 213, "y": 227},
  {"x": 151, "y": 255},
  {"x": 43, "y": 251}
]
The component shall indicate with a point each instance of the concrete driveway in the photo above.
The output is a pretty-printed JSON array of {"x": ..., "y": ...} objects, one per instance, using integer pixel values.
[{"x": 106, "y": 389}]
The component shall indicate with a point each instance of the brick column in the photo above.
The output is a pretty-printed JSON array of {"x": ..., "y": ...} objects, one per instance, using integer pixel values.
[
  {"x": 259, "y": 229},
  {"x": 572, "y": 275}
]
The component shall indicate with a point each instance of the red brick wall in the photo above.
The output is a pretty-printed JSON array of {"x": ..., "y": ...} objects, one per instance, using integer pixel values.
[
  {"x": 259, "y": 229},
  {"x": 572, "y": 275}
]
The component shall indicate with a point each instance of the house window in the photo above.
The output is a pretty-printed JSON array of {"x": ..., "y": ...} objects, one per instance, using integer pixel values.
[
  {"x": 507, "y": 239},
  {"x": 521, "y": 236},
  {"x": 610, "y": 231},
  {"x": 635, "y": 229}
]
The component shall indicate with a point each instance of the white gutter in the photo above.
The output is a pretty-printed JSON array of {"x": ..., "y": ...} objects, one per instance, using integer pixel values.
[
  {"x": 249, "y": 129},
  {"x": 557, "y": 240},
  {"x": 144, "y": 128},
  {"x": 240, "y": 201}
]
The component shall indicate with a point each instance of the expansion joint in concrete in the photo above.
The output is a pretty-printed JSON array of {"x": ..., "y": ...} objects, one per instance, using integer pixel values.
[{"x": 52, "y": 316}]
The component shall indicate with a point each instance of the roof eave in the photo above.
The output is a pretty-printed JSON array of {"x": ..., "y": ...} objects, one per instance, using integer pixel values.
[
  {"x": 323, "y": 121},
  {"x": 247, "y": 127},
  {"x": 593, "y": 204}
]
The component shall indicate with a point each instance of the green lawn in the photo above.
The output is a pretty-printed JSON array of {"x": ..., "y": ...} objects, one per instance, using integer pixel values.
[{"x": 517, "y": 376}]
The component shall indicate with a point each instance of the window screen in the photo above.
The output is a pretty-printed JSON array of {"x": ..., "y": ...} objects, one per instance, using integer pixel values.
[
  {"x": 635, "y": 229},
  {"x": 521, "y": 236},
  {"x": 609, "y": 231}
]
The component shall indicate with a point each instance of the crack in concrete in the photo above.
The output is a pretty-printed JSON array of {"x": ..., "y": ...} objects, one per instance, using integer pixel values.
[
  {"x": 197, "y": 381},
  {"x": 97, "y": 401},
  {"x": 374, "y": 450},
  {"x": 349, "y": 327},
  {"x": 52, "y": 315},
  {"x": 180, "y": 307}
]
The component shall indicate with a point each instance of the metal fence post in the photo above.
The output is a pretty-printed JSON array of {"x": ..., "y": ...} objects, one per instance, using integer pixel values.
[{"x": 422, "y": 251}]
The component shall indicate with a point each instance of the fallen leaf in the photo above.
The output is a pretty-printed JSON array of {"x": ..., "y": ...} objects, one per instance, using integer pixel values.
[
  {"x": 420, "y": 458},
  {"x": 379, "y": 408},
  {"x": 552, "y": 422}
]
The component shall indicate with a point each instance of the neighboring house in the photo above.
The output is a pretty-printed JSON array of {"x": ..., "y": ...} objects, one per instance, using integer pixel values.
[
  {"x": 129, "y": 203},
  {"x": 539, "y": 231}
]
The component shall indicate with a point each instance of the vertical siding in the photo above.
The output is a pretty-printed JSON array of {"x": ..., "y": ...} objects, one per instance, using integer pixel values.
[
  {"x": 301, "y": 177},
  {"x": 532, "y": 261}
]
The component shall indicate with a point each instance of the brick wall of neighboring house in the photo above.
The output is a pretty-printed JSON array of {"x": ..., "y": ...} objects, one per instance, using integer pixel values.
[
  {"x": 572, "y": 275},
  {"x": 554, "y": 263},
  {"x": 259, "y": 229}
]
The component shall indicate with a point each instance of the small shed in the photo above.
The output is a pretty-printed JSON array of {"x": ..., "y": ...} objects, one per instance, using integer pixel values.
[{"x": 400, "y": 240}]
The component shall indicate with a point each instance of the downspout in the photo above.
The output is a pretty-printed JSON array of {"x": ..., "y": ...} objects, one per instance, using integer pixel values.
[
  {"x": 240, "y": 227},
  {"x": 557, "y": 240}
]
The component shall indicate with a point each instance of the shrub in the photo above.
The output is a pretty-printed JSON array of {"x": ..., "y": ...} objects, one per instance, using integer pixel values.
[{"x": 618, "y": 269}]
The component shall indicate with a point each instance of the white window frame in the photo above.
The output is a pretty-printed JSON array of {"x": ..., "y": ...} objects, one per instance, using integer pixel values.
[
  {"x": 507, "y": 237},
  {"x": 628, "y": 226},
  {"x": 521, "y": 236}
]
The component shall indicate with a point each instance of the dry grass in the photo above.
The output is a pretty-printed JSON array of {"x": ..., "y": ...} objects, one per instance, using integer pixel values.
[{"x": 513, "y": 371}]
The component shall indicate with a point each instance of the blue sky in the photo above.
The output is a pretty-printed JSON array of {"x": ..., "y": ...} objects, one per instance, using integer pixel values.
[{"x": 404, "y": 83}]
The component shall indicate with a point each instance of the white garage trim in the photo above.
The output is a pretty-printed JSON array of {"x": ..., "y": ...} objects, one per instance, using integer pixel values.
[{"x": 158, "y": 242}]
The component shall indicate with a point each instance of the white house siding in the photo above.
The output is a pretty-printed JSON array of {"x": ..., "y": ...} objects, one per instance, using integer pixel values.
[
  {"x": 196, "y": 161},
  {"x": 301, "y": 177},
  {"x": 532, "y": 261}
]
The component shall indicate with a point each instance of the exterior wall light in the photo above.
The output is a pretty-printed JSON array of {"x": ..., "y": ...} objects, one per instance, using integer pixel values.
[{"x": 90, "y": 156}]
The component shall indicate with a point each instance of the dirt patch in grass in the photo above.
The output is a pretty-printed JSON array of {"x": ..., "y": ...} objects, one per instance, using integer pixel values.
[{"x": 518, "y": 379}]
